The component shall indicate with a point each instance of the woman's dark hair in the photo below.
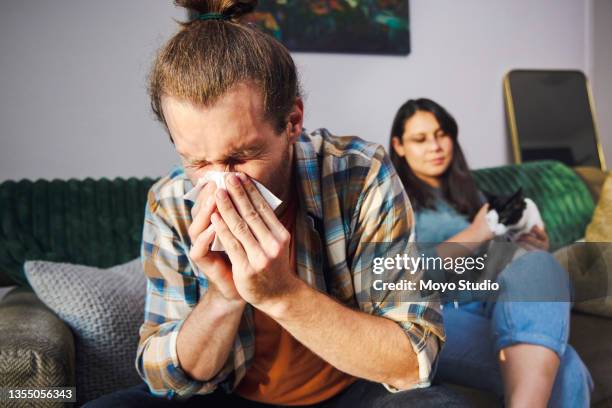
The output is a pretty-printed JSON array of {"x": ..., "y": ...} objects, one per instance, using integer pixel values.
[{"x": 457, "y": 184}]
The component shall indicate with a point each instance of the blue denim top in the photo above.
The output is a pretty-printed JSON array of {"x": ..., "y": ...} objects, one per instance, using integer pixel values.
[
  {"x": 434, "y": 226},
  {"x": 439, "y": 224}
]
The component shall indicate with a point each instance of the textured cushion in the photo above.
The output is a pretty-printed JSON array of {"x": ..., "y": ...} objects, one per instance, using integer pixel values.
[
  {"x": 36, "y": 347},
  {"x": 562, "y": 197},
  {"x": 589, "y": 265},
  {"x": 600, "y": 228},
  {"x": 593, "y": 177},
  {"x": 88, "y": 222},
  {"x": 104, "y": 308}
]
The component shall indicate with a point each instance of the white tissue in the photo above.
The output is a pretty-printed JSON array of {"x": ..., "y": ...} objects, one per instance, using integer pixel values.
[{"x": 219, "y": 178}]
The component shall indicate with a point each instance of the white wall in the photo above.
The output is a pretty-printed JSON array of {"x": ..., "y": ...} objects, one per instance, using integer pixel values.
[
  {"x": 601, "y": 67},
  {"x": 72, "y": 79},
  {"x": 73, "y": 88}
]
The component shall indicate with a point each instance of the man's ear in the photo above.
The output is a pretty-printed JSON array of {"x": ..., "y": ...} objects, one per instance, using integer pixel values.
[
  {"x": 295, "y": 120},
  {"x": 398, "y": 146}
]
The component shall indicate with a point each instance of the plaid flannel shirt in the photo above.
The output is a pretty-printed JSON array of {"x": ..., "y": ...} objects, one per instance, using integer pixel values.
[{"x": 349, "y": 196}]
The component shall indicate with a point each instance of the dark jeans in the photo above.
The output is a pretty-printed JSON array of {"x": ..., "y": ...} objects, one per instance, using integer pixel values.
[{"x": 361, "y": 393}]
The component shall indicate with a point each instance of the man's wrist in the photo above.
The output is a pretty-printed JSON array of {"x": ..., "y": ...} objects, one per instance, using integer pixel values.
[
  {"x": 224, "y": 303},
  {"x": 284, "y": 306}
]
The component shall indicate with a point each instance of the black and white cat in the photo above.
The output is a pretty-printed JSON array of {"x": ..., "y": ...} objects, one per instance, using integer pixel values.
[{"x": 513, "y": 215}]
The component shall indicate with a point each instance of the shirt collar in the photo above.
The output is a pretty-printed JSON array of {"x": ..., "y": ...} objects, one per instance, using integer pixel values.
[
  {"x": 309, "y": 228},
  {"x": 307, "y": 166}
]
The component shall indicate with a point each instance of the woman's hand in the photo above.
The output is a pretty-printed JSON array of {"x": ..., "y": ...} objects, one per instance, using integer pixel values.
[
  {"x": 479, "y": 229},
  {"x": 534, "y": 239}
]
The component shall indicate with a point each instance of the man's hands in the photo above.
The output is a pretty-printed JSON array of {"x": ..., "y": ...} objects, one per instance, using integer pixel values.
[
  {"x": 257, "y": 244},
  {"x": 213, "y": 264}
]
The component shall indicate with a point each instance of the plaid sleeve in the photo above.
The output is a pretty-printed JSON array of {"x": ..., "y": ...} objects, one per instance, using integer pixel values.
[
  {"x": 384, "y": 227},
  {"x": 172, "y": 292}
]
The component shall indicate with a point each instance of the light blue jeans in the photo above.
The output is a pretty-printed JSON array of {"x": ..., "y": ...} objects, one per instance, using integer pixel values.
[{"x": 477, "y": 331}]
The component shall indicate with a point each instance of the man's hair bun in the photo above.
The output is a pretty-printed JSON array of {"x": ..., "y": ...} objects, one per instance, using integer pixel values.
[{"x": 232, "y": 9}]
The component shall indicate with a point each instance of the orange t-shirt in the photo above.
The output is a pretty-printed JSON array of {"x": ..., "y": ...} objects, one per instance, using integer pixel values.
[{"x": 283, "y": 371}]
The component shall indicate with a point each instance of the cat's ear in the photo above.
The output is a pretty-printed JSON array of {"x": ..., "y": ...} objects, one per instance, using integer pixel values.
[
  {"x": 489, "y": 196},
  {"x": 517, "y": 195}
]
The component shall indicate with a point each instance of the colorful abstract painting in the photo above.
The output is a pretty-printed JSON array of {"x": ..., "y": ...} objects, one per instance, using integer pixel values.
[{"x": 342, "y": 26}]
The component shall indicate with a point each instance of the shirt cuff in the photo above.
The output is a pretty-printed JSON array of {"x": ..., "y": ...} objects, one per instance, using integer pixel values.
[
  {"x": 163, "y": 373},
  {"x": 427, "y": 350}
]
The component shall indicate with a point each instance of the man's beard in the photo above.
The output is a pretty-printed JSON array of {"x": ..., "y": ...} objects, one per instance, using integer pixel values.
[{"x": 280, "y": 179}]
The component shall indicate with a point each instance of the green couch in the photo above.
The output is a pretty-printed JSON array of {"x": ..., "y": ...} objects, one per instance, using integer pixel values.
[{"x": 99, "y": 223}]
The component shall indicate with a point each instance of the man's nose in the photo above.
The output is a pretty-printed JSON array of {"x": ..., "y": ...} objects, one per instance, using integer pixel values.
[{"x": 222, "y": 167}]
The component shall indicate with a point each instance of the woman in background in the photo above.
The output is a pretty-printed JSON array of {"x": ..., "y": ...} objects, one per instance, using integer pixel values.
[{"x": 518, "y": 350}]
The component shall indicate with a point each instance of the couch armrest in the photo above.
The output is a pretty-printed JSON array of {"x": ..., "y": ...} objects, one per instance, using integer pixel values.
[{"x": 36, "y": 347}]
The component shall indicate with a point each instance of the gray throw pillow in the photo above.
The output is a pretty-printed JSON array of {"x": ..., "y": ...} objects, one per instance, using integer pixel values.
[{"x": 104, "y": 308}]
